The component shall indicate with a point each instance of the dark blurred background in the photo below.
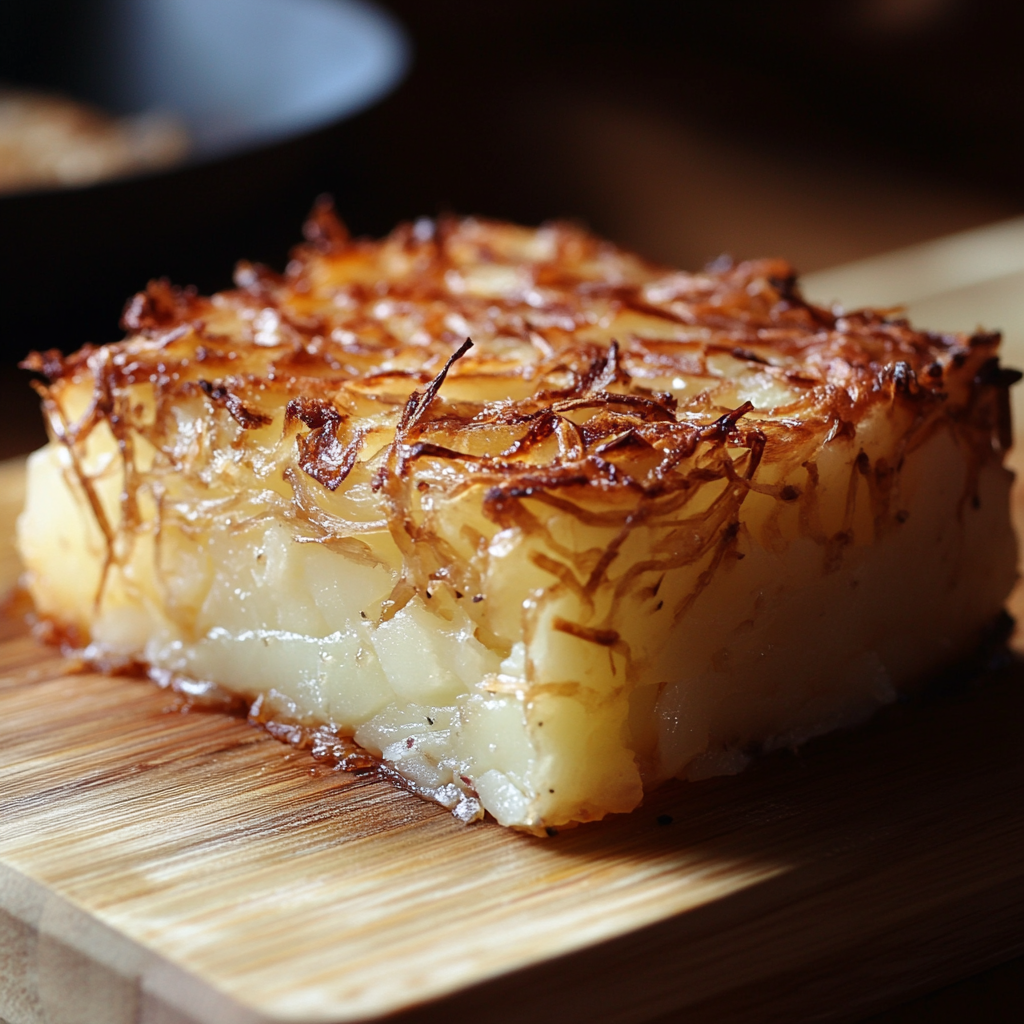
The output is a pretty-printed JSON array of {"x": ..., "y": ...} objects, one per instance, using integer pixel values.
[{"x": 821, "y": 130}]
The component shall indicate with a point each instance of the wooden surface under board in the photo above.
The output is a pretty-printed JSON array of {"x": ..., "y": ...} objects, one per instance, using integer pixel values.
[{"x": 165, "y": 868}]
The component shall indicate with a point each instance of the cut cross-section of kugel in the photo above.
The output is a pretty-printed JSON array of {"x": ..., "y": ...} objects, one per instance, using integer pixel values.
[{"x": 534, "y": 523}]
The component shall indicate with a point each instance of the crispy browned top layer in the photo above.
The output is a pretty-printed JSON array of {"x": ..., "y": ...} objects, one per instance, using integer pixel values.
[{"x": 587, "y": 364}]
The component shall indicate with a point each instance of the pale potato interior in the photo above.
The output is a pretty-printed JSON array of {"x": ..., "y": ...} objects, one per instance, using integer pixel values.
[{"x": 548, "y": 727}]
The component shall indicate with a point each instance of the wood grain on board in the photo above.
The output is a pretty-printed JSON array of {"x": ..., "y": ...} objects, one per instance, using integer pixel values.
[{"x": 163, "y": 868}]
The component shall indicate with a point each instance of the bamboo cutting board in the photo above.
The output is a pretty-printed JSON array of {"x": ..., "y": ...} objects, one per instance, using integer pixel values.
[{"x": 166, "y": 868}]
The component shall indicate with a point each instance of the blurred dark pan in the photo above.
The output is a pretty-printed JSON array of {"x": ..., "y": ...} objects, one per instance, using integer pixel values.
[{"x": 261, "y": 86}]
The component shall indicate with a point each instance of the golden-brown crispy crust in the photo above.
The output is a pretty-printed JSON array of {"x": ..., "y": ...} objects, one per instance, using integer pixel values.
[
  {"x": 543, "y": 364},
  {"x": 752, "y": 312}
]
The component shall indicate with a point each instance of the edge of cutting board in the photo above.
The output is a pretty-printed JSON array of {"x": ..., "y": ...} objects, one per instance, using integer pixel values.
[{"x": 831, "y": 940}]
